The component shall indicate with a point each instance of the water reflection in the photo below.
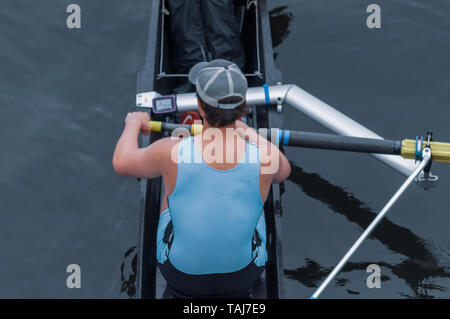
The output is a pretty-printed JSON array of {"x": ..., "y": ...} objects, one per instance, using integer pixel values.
[
  {"x": 128, "y": 272},
  {"x": 416, "y": 270}
]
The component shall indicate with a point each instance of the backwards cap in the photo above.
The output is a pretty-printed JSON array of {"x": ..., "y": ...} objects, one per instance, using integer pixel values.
[{"x": 217, "y": 80}]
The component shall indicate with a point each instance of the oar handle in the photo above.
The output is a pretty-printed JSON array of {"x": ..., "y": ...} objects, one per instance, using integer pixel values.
[{"x": 158, "y": 126}]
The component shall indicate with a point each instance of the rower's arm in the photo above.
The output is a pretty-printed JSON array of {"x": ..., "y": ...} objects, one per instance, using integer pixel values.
[
  {"x": 276, "y": 162},
  {"x": 284, "y": 170},
  {"x": 129, "y": 159}
]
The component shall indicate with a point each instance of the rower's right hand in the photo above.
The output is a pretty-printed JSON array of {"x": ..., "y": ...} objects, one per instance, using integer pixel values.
[{"x": 141, "y": 120}]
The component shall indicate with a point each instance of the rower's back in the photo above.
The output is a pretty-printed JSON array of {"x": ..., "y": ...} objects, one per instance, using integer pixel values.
[
  {"x": 217, "y": 245},
  {"x": 215, "y": 211}
]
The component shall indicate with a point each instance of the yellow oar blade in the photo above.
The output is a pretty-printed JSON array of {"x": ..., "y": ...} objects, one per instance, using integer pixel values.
[{"x": 440, "y": 151}]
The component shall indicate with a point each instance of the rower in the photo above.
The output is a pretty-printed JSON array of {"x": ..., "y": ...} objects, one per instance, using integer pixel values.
[{"x": 211, "y": 235}]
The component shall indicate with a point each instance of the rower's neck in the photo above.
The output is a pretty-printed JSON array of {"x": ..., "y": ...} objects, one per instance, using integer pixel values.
[{"x": 223, "y": 129}]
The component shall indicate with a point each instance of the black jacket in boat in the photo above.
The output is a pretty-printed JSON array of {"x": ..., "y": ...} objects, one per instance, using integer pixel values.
[{"x": 202, "y": 30}]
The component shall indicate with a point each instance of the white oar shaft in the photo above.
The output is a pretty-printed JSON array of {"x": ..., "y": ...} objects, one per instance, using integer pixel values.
[{"x": 340, "y": 265}]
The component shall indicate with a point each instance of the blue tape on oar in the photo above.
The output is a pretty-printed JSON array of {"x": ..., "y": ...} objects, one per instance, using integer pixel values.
[
  {"x": 278, "y": 139},
  {"x": 266, "y": 93},
  {"x": 286, "y": 137},
  {"x": 418, "y": 152}
]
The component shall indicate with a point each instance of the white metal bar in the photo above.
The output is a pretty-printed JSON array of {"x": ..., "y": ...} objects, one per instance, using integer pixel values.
[
  {"x": 390, "y": 203},
  {"x": 341, "y": 124}
]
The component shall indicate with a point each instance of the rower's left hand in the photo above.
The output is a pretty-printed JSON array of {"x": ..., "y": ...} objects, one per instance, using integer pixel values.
[{"x": 140, "y": 119}]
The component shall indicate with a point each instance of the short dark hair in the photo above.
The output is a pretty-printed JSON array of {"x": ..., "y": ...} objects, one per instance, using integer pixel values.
[{"x": 218, "y": 117}]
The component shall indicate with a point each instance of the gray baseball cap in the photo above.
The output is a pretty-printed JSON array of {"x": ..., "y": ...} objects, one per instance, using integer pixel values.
[{"x": 217, "y": 80}]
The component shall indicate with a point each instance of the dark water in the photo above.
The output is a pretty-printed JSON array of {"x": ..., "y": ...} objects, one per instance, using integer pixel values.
[{"x": 64, "y": 94}]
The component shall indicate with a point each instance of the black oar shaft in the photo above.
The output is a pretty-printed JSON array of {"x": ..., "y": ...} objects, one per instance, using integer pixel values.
[
  {"x": 341, "y": 143},
  {"x": 309, "y": 139}
]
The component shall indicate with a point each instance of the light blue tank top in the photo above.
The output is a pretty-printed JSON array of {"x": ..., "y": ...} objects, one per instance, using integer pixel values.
[{"x": 215, "y": 213}]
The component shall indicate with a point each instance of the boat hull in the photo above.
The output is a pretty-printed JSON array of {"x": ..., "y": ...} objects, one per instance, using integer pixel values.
[{"x": 157, "y": 76}]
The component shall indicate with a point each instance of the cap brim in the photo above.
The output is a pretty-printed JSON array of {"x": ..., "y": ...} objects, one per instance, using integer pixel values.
[{"x": 195, "y": 70}]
